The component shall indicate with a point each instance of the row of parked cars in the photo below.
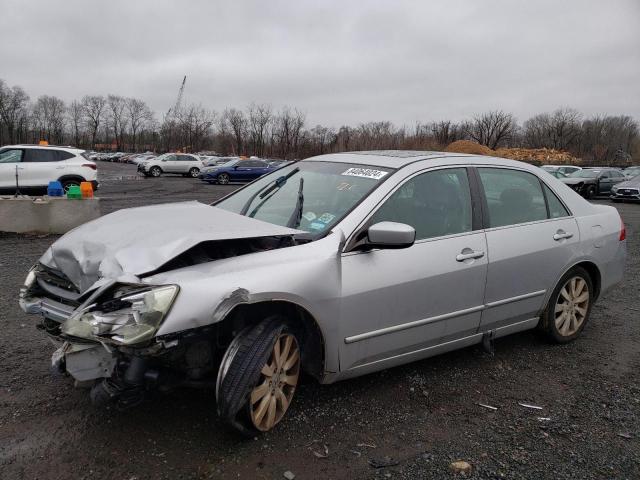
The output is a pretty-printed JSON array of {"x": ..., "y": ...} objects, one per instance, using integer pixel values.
[
  {"x": 209, "y": 168},
  {"x": 590, "y": 182}
]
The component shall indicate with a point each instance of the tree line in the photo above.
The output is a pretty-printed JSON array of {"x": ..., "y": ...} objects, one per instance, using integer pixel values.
[{"x": 128, "y": 124}]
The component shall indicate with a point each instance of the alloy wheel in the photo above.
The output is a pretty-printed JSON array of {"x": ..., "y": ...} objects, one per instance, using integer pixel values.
[
  {"x": 223, "y": 179},
  {"x": 271, "y": 398},
  {"x": 572, "y": 306}
]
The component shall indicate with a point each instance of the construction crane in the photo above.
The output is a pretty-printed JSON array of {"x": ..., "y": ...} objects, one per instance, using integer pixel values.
[{"x": 173, "y": 111}]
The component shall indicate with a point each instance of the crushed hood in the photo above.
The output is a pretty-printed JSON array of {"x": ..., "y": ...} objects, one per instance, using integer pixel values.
[
  {"x": 576, "y": 180},
  {"x": 132, "y": 242}
]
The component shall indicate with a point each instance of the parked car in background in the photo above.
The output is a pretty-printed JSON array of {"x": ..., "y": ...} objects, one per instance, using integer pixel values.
[
  {"x": 590, "y": 182},
  {"x": 557, "y": 174},
  {"x": 338, "y": 266},
  {"x": 566, "y": 169},
  {"x": 627, "y": 190},
  {"x": 213, "y": 162},
  {"x": 182, "y": 163},
  {"x": 236, "y": 171},
  {"x": 38, "y": 165},
  {"x": 631, "y": 172}
]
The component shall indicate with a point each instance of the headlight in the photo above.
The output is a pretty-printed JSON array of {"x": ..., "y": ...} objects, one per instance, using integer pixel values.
[{"x": 127, "y": 319}]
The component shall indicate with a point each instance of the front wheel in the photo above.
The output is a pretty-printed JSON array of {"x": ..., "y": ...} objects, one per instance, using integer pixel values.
[
  {"x": 590, "y": 192},
  {"x": 258, "y": 376},
  {"x": 155, "y": 171},
  {"x": 223, "y": 179},
  {"x": 569, "y": 307}
]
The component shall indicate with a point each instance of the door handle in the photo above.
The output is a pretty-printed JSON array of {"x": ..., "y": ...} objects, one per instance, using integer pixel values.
[
  {"x": 468, "y": 255},
  {"x": 562, "y": 235}
]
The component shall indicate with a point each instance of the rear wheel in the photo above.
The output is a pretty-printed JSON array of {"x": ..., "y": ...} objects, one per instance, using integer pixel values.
[
  {"x": 70, "y": 183},
  {"x": 155, "y": 171},
  {"x": 569, "y": 306},
  {"x": 590, "y": 192},
  {"x": 223, "y": 178},
  {"x": 193, "y": 173},
  {"x": 258, "y": 376}
]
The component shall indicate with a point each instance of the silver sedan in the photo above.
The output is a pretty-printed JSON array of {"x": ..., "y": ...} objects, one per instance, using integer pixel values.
[{"x": 338, "y": 265}]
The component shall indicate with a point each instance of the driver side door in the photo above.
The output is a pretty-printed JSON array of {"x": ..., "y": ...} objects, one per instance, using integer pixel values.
[{"x": 398, "y": 305}]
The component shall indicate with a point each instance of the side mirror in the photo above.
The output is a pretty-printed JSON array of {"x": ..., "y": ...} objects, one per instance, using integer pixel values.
[{"x": 390, "y": 235}]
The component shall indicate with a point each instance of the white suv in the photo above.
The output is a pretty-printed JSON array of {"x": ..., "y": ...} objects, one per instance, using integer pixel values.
[
  {"x": 37, "y": 165},
  {"x": 171, "y": 163}
]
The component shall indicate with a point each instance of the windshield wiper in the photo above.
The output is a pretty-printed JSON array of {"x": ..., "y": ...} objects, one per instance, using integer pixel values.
[
  {"x": 268, "y": 188},
  {"x": 296, "y": 216}
]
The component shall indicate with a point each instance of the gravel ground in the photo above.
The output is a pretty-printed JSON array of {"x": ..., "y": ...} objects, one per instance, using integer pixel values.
[{"x": 421, "y": 416}]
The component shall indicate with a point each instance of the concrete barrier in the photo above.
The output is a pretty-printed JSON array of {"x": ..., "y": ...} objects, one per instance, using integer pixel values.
[{"x": 45, "y": 214}]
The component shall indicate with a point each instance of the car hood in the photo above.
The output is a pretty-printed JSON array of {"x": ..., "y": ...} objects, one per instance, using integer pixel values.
[
  {"x": 575, "y": 180},
  {"x": 132, "y": 242},
  {"x": 632, "y": 183}
]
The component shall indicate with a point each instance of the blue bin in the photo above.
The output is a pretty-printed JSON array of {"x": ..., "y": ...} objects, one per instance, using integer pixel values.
[{"x": 55, "y": 189}]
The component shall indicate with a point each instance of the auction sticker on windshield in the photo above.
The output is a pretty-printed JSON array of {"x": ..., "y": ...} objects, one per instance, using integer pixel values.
[{"x": 365, "y": 172}]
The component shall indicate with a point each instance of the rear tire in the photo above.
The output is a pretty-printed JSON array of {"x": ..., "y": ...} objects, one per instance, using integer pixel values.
[
  {"x": 258, "y": 376},
  {"x": 223, "y": 179},
  {"x": 590, "y": 192},
  {"x": 569, "y": 307},
  {"x": 194, "y": 172},
  {"x": 68, "y": 183}
]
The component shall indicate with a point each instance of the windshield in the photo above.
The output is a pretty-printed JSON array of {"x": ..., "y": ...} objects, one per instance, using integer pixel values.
[
  {"x": 585, "y": 173},
  {"x": 325, "y": 194}
]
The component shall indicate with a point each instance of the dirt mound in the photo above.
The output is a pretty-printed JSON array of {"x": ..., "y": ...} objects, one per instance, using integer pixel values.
[
  {"x": 466, "y": 146},
  {"x": 538, "y": 156},
  {"x": 542, "y": 155}
]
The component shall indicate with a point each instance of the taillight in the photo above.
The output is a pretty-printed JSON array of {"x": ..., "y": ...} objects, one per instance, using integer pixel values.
[
  {"x": 623, "y": 231},
  {"x": 92, "y": 166}
]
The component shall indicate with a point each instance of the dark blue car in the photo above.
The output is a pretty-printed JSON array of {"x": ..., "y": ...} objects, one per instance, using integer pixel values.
[{"x": 235, "y": 171}]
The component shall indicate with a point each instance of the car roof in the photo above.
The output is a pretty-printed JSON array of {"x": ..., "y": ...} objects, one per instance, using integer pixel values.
[
  {"x": 46, "y": 147},
  {"x": 401, "y": 158}
]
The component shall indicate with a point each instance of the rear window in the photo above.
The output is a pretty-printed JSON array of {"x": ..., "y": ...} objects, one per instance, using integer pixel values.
[{"x": 40, "y": 155}]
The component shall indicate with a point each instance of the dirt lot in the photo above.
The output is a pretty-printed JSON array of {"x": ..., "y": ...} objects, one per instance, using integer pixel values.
[{"x": 423, "y": 415}]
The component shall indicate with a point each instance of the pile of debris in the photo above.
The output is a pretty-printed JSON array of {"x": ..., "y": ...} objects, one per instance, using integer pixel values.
[{"x": 537, "y": 156}]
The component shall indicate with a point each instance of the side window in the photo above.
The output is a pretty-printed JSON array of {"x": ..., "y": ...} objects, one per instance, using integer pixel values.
[
  {"x": 434, "y": 203},
  {"x": 556, "y": 208},
  {"x": 10, "y": 156},
  {"x": 605, "y": 174},
  {"x": 40, "y": 155},
  {"x": 62, "y": 155},
  {"x": 512, "y": 196}
]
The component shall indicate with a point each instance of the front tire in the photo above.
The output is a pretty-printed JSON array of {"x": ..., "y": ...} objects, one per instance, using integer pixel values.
[
  {"x": 223, "y": 179},
  {"x": 590, "y": 192},
  {"x": 258, "y": 376},
  {"x": 569, "y": 307},
  {"x": 155, "y": 171}
]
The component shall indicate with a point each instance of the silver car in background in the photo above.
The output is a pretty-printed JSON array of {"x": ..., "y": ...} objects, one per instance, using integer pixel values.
[{"x": 338, "y": 265}]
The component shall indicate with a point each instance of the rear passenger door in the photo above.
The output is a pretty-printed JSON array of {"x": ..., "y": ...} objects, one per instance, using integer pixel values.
[
  {"x": 531, "y": 238},
  {"x": 41, "y": 166}
]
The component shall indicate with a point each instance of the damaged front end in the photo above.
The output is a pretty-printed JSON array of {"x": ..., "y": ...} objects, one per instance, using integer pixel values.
[{"x": 106, "y": 338}]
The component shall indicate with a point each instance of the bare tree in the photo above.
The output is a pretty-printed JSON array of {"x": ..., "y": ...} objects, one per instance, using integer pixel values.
[
  {"x": 49, "y": 118},
  {"x": 493, "y": 129},
  {"x": 93, "y": 107},
  {"x": 195, "y": 124},
  {"x": 237, "y": 124},
  {"x": 259, "y": 119},
  {"x": 287, "y": 126},
  {"x": 560, "y": 130},
  {"x": 76, "y": 118},
  {"x": 139, "y": 114},
  {"x": 14, "y": 111},
  {"x": 445, "y": 132},
  {"x": 118, "y": 118}
]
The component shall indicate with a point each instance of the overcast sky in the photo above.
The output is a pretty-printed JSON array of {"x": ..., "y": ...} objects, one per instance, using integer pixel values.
[{"x": 340, "y": 62}]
